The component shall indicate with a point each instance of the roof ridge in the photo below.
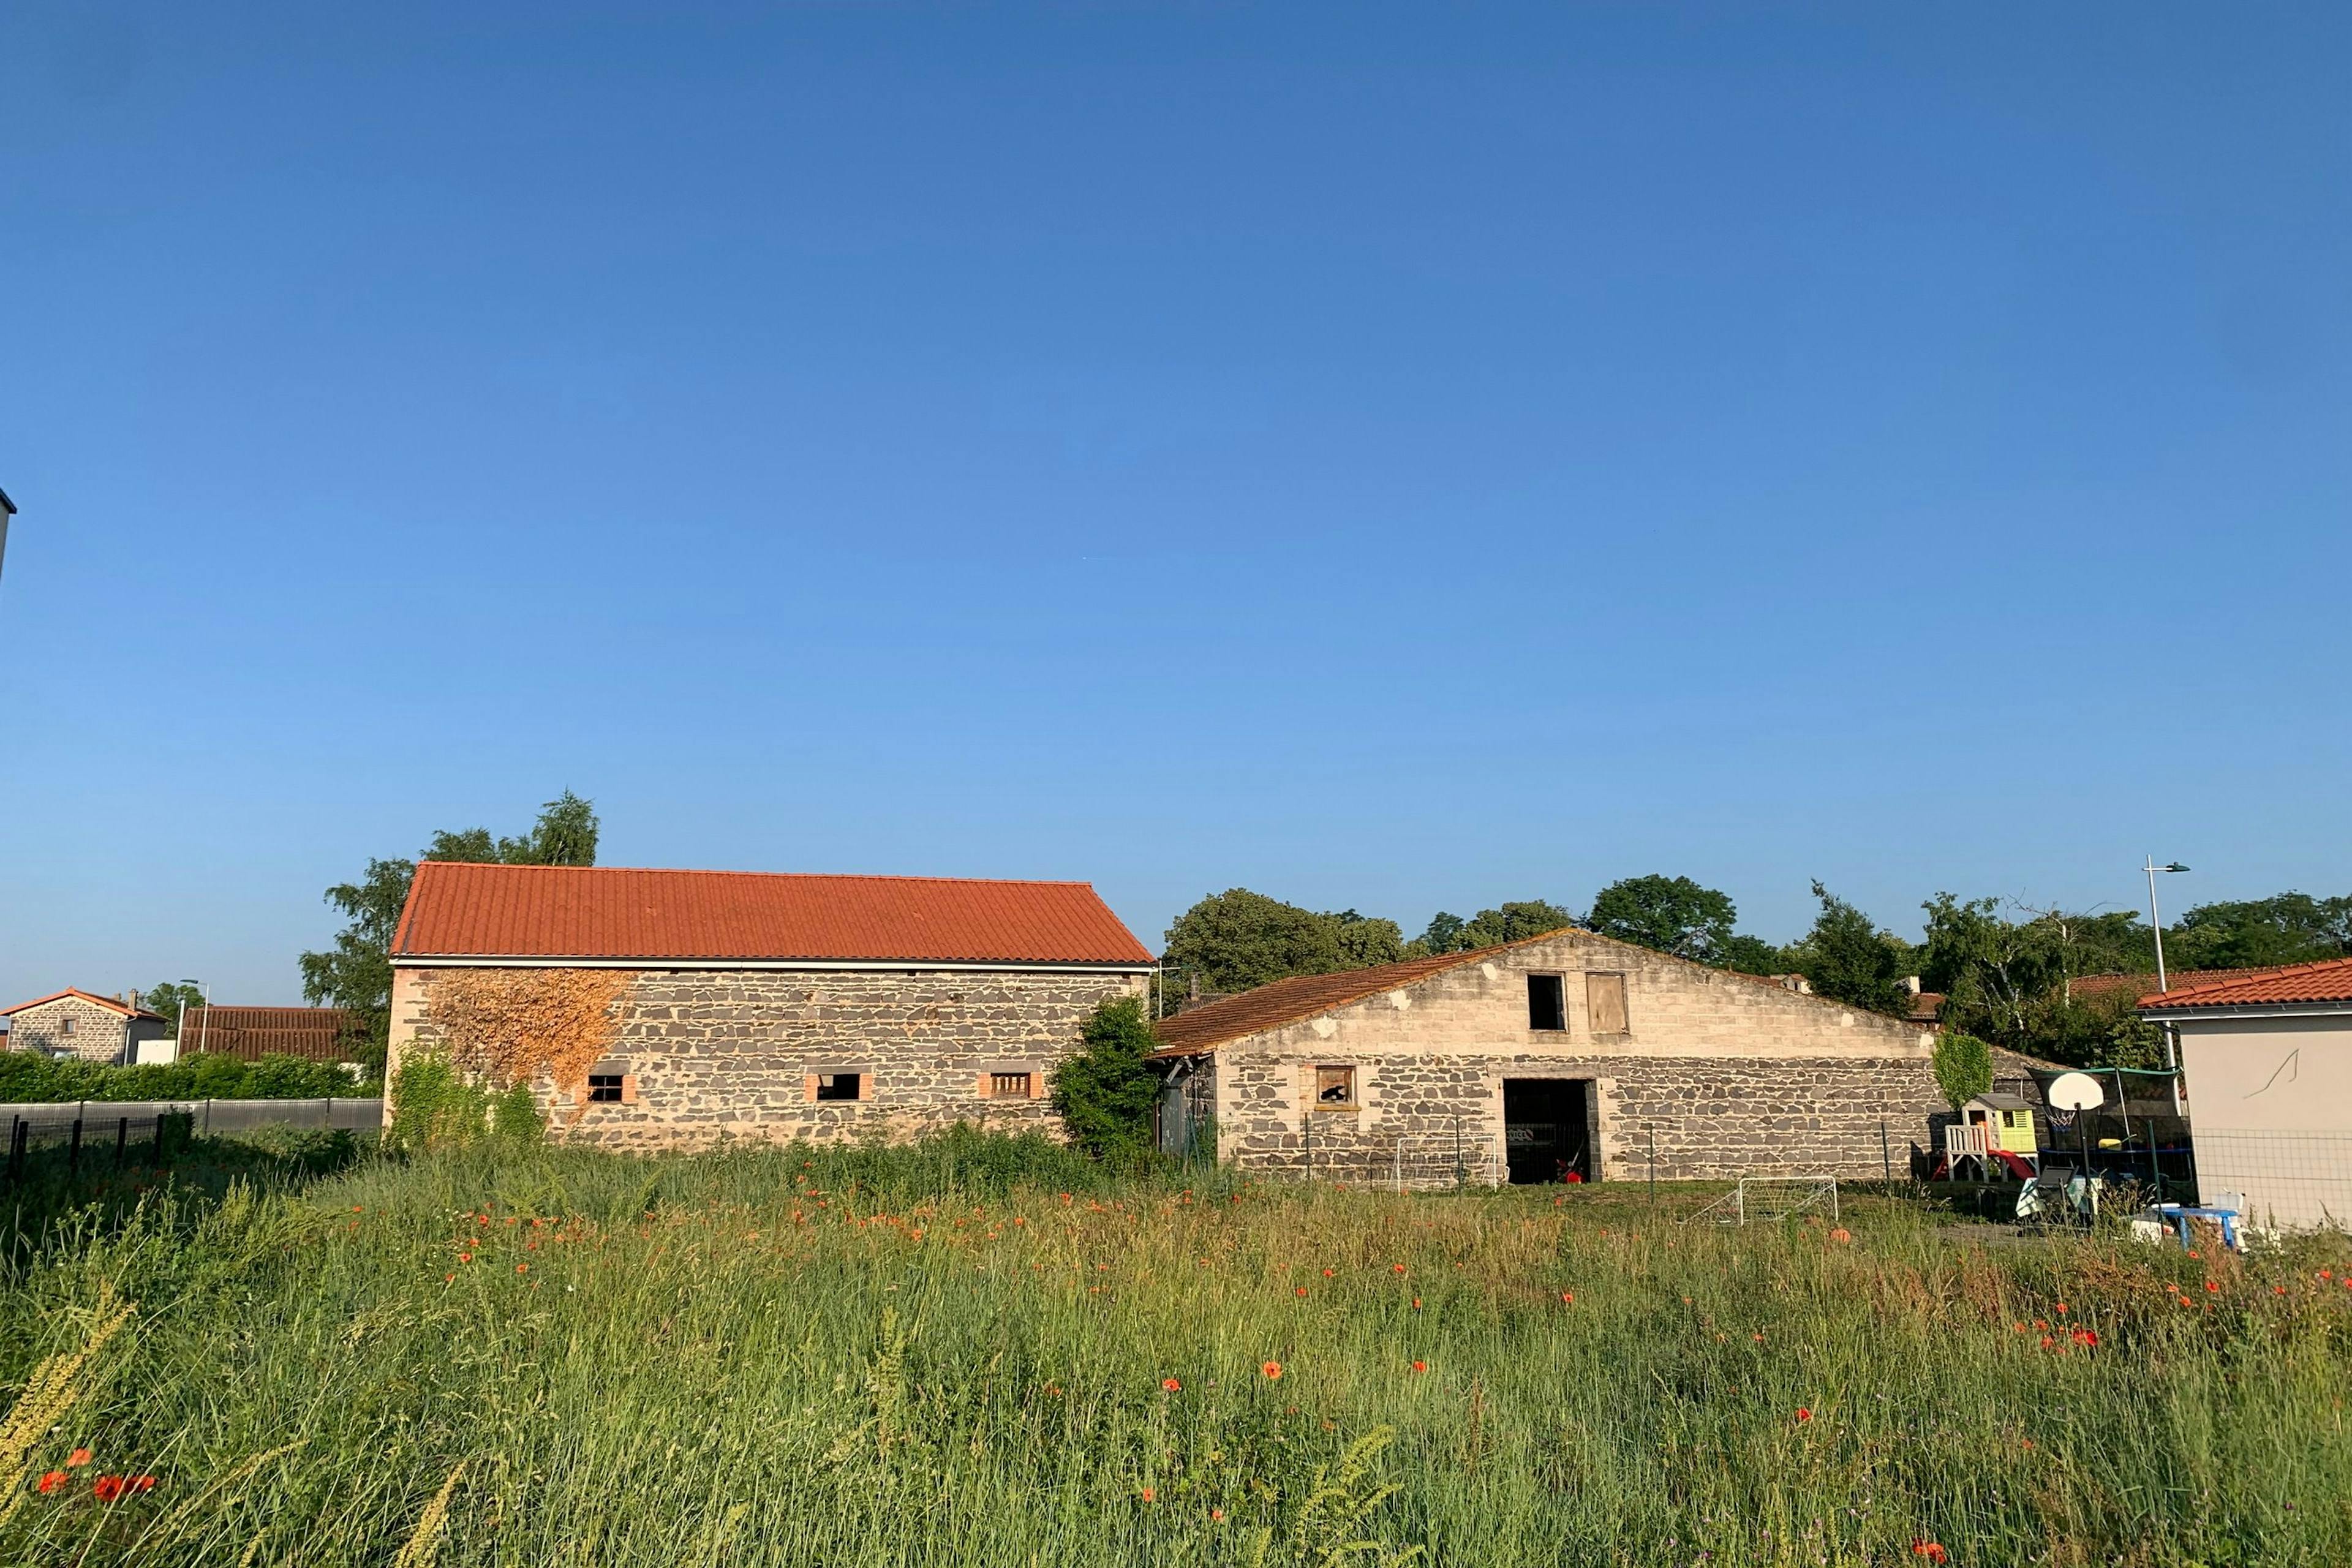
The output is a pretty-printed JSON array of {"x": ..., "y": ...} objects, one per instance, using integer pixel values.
[{"x": 830, "y": 876}]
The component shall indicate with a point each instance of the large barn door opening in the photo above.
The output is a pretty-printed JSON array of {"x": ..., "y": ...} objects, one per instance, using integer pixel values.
[{"x": 1548, "y": 1128}]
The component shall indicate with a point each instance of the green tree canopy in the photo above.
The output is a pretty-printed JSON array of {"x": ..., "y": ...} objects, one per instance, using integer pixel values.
[
  {"x": 1237, "y": 939},
  {"x": 1670, "y": 914},
  {"x": 2246, "y": 933},
  {"x": 1963, "y": 1067},
  {"x": 355, "y": 973},
  {"x": 1848, "y": 959},
  {"x": 168, "y": 998}
]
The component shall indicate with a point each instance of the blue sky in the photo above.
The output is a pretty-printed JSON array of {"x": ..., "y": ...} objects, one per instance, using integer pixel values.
[{"x": 1397, "y": 457}]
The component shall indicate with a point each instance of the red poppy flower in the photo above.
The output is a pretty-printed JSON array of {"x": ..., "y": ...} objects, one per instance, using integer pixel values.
[
  {"x": 1171, "y": 1384},
  {"x": 1216, "y": 1513},
  {"x": 1271, "y": 1369},
  {"x": 1567, "y": 1298},
  {"x": 1302, "y": 1290},
  {"x": 1803, "y": 1414},
  {"x": 1421, "y": 1366},
  {"x": 1147, "y": 1494},
  {"x": 2087, "y": 1338},
  {"x": 2212, "y": 1285},
  {"x": 78, "y": 1459},
  {"x": 1396, "y": 1267},
  {"x": 52, "y": 1479},
  {"x": 142, "y": 1483},
  {"x": 107, "y": 1488},
  {"x": 1929, "y": 1550},
  {"x": 1327, "y": 1274}
]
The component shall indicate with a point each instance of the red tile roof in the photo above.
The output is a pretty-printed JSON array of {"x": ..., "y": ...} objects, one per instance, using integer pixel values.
[
  {"x": 613, "y": 913},
  {"x": 2328, "y": 981},
  {"x": 1300, "y": 997},
  {"x": 109, "y": 1002},
  {"x": 2087, "y": 987},
  {"x": 314, "y": 1034}
]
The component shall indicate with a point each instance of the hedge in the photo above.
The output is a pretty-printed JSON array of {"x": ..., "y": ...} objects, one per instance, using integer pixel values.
[{"x": 27, "y": 1077}]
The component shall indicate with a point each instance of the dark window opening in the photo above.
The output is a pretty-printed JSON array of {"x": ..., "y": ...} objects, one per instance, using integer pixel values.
[
  {"x": 65, "y": 1025},
  {"x": 1335, "y": 1086},
  {"x": 604, "y": 1088},
  {"x": 1547, "y": 1004},
  {"x": 838, "y": 1086},
  {"x": 1548, "y": 1129},
  {"x": 1008, "y": 1086}
]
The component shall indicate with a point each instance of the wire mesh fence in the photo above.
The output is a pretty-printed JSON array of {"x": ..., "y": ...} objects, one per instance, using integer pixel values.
[
  {"x": 2287, "y": 1181},
  {"x": 98, "y": 1134}
]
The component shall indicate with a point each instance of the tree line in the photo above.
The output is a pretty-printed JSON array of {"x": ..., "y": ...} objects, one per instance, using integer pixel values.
[{"x": 2006, "y": 969}]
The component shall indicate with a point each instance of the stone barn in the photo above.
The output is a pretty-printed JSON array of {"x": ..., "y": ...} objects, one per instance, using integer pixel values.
[
  {"x": 84, "y": 1024},
  {"x": 1562, "y": 1056},
  {"x": 656, "y": 1008}
]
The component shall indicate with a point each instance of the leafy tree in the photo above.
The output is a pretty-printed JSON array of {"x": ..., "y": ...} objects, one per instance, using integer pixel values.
[
  {"x": 169, "y": 998},
  {"x": 1363, "y": 940},
  {"x": 1963, "y": 1067},
  {"x": 1996, "y": 973},
  {"x": 1444, "y": 935},
  {"x": 1530, "y": 917},
  {"x": 1670, "y": 914},
  {"x": 1106, "y": 1092},
  {"x": 2287, "y": 928},
  {"x": 355, "y": 973},
  {"x": 1754, "y": 955},
  {"x": 1237, "y": 939},
  {"x": 1848, "y": 959}
]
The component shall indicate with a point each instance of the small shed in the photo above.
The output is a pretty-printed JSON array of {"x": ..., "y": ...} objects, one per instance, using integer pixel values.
[{"x": 2008, "y": 1120}]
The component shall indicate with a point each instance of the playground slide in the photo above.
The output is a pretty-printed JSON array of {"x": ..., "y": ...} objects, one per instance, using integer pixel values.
[{"x": 2016, "y": 1164}]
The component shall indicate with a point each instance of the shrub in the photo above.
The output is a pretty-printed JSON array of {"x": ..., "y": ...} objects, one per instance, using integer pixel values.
[
  {"x": 1963, "y": 1068},
  {"x": 26, "y": 1076},
  {"x": 434, "y": 1108},
  {"x": 1106, "y": 1092}
]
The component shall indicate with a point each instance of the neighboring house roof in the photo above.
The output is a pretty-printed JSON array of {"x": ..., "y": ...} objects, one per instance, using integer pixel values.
[
  {"x": 315, "y": 1034},
  {"x": 2085, "y": 987},
  {"x": 2327, "y": 981},
  {"x": 612, "y": 913},
  {"x": 1299, "y": 998},
  {"x": 109, "y": 1002}
]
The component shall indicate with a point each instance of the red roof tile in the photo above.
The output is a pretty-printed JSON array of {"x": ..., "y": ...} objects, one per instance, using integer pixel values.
[
  {"x": 2089, "y": 987},
  {"x": 613, "y": 913},
  {"x": 2327, "y": 981},
  {"x": 1298, "y": 998},
  {"x": 109, "y": 1002},
  {"x": 314, "y": 1034}
]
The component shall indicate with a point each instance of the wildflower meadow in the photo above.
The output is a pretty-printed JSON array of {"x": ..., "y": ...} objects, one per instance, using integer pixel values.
[{"x": 990, "y": 1351}]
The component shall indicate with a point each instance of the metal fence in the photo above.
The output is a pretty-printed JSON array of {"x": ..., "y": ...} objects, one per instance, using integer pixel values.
[
  {"x": 103, "y": 1130},
  {"x": 2286, "y": 1181}
]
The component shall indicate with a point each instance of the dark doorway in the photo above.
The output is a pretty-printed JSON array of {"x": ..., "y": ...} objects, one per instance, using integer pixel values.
[{"x": 1548, "y": 1128}]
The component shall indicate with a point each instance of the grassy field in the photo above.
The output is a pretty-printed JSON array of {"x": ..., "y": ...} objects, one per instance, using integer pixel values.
[{"x": 990, "y": 1354}]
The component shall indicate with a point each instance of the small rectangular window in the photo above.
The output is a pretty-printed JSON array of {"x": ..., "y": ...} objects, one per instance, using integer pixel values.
[
  {"x": 1547, "y": 1007},
  {"x": 604, "y": 1088},
  {"x": 1335, "y": 1086},
  {"x": 65, "y": 1025},
  {"x": 840, "y": 1085},
  {"x": 1008, "y": 1086},
  {"x": 1605, "y": 999}
]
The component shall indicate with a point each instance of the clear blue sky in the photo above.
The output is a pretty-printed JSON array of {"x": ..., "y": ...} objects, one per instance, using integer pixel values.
[{"x": 1397, "y": 457}]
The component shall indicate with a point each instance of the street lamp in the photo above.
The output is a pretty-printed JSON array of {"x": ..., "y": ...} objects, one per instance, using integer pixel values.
[{"x": 2156, "y": 923}]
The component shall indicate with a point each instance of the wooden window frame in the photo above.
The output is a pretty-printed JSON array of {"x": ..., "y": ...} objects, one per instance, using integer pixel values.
[
  {"x": 812, "y": 1083},
  {"x": 1315, "y": 1087}
]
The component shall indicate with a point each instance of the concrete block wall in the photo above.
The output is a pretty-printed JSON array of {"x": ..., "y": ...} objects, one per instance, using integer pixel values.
[
  {"x": 720, "y": 1053},
  {"x": 1731, "y": 1075}
]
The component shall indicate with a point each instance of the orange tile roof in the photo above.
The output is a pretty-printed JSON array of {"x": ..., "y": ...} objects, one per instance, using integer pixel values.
[
  {"x": 2330, "y": 980},
  {"x": 1300, "y": 997},
  {"x": 109, "y": 1002},
  {"x": 613, "y": 913},
  {"x": 2087, "y": 986}
]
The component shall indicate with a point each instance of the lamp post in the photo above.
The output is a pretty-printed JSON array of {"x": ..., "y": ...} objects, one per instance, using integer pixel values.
[{"x": 2156, "y": 923}]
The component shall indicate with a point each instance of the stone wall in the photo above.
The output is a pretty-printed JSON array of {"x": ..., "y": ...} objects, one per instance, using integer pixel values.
[
  {"x": 1731, "y": 1076},
  {"x": 96, "y": 1034},
  {"x": 717, "y": 1053}
]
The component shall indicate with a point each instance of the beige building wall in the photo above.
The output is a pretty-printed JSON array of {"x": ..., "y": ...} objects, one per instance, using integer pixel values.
[
  {"x": 1721, "y": 1074},
  {"x": 72, "y": 1026},
  {"x": 2270, "y": 1107}
]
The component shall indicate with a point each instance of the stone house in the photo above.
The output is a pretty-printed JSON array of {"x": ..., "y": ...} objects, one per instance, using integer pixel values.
[
  {"x": 1561, "y": 1056},
  {"x": 711, "y": 1004},
  {"x": 72, "y": 1023}
]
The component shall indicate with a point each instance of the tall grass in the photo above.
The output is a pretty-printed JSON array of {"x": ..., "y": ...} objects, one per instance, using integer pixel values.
[{"x": 958, "y": 1351}]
